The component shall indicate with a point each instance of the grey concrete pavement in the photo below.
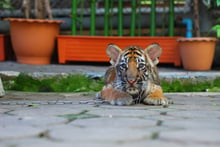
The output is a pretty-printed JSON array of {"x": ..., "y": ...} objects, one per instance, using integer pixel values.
[
  {"x": 56, "y": 119},
  {"x": 67, "y": 119}
]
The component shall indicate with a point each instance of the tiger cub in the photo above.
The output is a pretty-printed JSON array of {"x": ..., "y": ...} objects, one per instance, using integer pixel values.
[{"x": 133, "y": 76}]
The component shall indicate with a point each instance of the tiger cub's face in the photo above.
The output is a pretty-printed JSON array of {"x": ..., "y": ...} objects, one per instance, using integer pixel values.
[
  {"x": 133, "y": 65},
  {"x": 132, "y": 69}
]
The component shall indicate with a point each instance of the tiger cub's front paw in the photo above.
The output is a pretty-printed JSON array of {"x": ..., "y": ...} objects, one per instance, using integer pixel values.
[
  {"x": 122, "y": 101},
  {"x": 116, "y": 97},
  {"x": 156, "y": 97},
  {"x": 156, "y": 101}
]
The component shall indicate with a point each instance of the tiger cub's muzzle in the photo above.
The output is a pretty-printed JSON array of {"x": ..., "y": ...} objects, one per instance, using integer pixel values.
[{"x": 132, "y": 78}]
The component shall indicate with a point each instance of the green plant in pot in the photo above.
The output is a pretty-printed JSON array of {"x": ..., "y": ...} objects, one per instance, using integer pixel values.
[
  {"x": 33, "y": 40},
  {"x": 197, "y": 53},
  {"x": 215, "y": 31},
  {"x": 5, "y": 4},
  {"x": 216, "y": 28}
]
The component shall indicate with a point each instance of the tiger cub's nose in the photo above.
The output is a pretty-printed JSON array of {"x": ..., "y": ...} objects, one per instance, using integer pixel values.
[{"x": 131, "y": 81}]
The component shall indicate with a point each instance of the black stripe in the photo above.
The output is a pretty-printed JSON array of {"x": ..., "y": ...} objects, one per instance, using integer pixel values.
[
  {"x": 127, "y": 53},
  {"x": 137, "y": 53}
]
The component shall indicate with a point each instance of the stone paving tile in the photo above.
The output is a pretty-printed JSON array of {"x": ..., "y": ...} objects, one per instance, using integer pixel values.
[
  {"x": 49, "y": 110},
  {"x": 112, "y": 122},
  {"x": 193, "y": 124},
  {"x": 193, "y": 120},
  {"x": 16, "y": 131},
  {"x": 34, "y": 142},
  {"x": 120, "y": 111},
  {"x": 192, "y": 137},
  {"x": 104, "y": 135},
  {"x": 30, "y": 120}
]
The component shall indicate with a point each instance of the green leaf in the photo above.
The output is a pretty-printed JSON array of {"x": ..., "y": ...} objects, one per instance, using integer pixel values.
[
  {"x": 5, "y": 4},
  {"x": 218, "y": 2},
  {"x": 217, "y": 29}
]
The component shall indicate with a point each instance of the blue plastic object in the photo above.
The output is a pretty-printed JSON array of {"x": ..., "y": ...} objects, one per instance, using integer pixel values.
[{"x": 188, "y": 23}]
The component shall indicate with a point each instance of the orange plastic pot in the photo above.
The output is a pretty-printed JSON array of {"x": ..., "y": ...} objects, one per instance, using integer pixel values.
[
  {"x": 2, "y": 48},
  {"x": 197, "y": 53},
  {"x": 33, "y": 40},
  {"x": 93, "y": 48}
]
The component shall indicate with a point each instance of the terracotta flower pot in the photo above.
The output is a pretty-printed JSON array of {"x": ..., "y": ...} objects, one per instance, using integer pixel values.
[
  {"x": 197, "y": 53},
  {"x": 2, "y": 48},
  {"x": 33, "y": 40},
  {"x": 93, "y": 48}
]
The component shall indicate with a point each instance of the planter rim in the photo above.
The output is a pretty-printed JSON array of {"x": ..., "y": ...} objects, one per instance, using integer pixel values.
[
  {"x": 197, "y": 39},
  {"x": 33, "y": 20},
  {"x": 116, "y": 37}
]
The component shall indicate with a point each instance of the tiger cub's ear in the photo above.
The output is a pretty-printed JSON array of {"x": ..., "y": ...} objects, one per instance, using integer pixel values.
[
  {"x": 154, "y": 51},
  {"x": 113, "y": 51}
]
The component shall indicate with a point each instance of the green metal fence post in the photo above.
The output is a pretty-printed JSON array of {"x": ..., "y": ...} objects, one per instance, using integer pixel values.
[
  {"x": 171, "y": 18},
  {"x": 120, "y": 18},
  {"x": 133, "y": 18},
  {"x": 106, "y": 18},
  {"x": 81, "y": 17},
  {"x": 139, "y": 18},
  {"x": 74, "y": 17},
  {"x": 111, "y": 17},
  {"x": 153, "y": 18},
  {"x": 92, "y": 22}
]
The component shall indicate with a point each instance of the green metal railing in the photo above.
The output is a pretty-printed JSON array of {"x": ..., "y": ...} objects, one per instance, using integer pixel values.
[
  {"x": 108, "y": 15},
  {"x": 74, "y": 16},
  {"x": 106, "y": 18},
  {"x": 153, "y": 18},
  {"x": 171, "y": 18},
  {"x": 93, "y": 13},
  {"x": 133, "y": 18}
]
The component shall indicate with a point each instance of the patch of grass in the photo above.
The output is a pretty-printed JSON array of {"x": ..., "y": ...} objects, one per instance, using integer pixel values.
[
  {"x": 71, "y": 83},
  {"x": 189, "y": 85},
  {"x": 82, "y": 83}
]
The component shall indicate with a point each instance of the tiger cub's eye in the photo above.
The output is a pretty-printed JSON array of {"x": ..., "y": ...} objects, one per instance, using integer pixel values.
[
  {"x": 123, "y": 66},
  {"x": 141, "y": 66}
]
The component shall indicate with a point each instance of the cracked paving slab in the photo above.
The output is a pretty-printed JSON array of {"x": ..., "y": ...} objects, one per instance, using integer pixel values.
[{"x": 193, "y": 120}]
